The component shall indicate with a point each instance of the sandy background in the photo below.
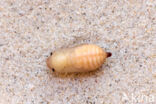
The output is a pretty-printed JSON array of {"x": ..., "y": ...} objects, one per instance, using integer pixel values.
[{"x": 31, "y": 29}]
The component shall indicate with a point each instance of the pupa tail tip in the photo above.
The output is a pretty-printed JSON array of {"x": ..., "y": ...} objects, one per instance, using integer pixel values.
[{"x": 109, "y": 54}]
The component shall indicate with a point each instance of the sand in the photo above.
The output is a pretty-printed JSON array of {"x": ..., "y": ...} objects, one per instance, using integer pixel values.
[{"x": 31, "y": 29}]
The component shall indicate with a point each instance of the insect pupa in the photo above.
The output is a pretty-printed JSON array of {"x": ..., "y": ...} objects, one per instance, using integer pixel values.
[{"x": 82, "y": 58}]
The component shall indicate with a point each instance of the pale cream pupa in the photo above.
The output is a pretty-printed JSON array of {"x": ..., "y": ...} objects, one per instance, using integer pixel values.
[{"x": 82, "y": 58}]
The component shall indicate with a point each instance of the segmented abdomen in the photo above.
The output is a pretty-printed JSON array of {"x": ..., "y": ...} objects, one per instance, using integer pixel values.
[{"x": 88, "y": 57}]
